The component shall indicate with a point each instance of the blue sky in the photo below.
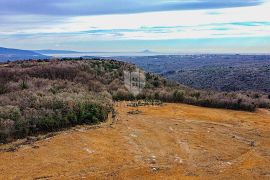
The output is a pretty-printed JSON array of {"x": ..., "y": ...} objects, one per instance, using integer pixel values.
[{"x": 237, "y": 26}]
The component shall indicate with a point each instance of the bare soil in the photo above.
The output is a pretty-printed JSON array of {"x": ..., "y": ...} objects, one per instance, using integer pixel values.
[{"x": 172, "y": 141}]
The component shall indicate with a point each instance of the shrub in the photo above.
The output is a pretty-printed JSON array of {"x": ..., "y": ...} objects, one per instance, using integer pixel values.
[
  {"x": 3, "y": 89},
  {"x": 3, "y": 137},
  {"x": 122, "y": 95},
  {"x": 47, "y": 123},
  {"x": 156, "y": 83},
  {"x": 196, "y": 95},
  {"x": 21, "y": 130},
  {"x": 256, "y": 96},
  {"x": 156, "y": 96},
  {"x": 178, "y": 96},
  {"x": 10, "y": 112},
  {"x": 24, "y": 85}
]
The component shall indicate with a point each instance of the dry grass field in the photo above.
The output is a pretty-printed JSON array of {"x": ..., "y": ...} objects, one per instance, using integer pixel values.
[{"x": 172, "y": 141}]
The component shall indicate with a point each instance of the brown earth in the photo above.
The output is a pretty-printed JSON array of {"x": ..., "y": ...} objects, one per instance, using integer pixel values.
[{"x": 172, "y": 141}]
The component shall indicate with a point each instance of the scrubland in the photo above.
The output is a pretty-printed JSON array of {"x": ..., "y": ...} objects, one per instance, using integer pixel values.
[{"x": 44, "y": 96}]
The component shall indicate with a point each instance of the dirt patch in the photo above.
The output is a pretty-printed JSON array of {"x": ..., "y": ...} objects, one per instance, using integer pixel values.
[{"x": 172, "y": 141}]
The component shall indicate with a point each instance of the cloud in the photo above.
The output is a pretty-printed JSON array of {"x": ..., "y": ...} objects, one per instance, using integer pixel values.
[
  {"x": 251, "y": 23},
  {"x": 101, "y": 7},
  {"x": 73, "y": 24},
  {"x": 213, "y": 13},
  {"x": 83, "y": 33}
]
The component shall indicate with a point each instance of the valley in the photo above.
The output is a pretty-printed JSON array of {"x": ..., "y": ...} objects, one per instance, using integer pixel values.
[{"x": 217, "y": 72}]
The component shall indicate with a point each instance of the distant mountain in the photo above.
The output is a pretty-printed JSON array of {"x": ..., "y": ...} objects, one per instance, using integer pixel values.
[
  {"x": 52, "y": 51},
  {"x": 7, "y": 54},
  {"x": 147, "y": 51}
]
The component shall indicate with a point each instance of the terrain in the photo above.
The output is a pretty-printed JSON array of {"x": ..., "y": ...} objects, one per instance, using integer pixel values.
[
  {"x": 211, "y": 71},
  {"x": 172, "y": 141},
  {"x": 72, "y": 119},
  {"x": 7, "y": 54},
  {"x": 45, "y": 96}
]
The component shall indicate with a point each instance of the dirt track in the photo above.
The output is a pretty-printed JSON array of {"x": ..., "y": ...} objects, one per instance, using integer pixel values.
[{"x": 166, "y": 142}]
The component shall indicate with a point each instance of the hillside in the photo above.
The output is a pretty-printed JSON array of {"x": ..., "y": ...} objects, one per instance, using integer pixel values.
[
  {"x": 7, "y": 54},
  {"x": 44, "y": 96},
  {"x": 211, "y": 71},
  {"x": 172, "y": 141}
]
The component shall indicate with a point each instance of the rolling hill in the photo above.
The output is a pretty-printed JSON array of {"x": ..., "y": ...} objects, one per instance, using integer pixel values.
[
  {"x": 7, "y": 54},
  {"x": 70, "y": 118},
  {"x": 45, "y": 96}
]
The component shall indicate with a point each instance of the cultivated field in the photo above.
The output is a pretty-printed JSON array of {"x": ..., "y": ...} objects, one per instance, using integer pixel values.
[{"x": 152, "y": 142}]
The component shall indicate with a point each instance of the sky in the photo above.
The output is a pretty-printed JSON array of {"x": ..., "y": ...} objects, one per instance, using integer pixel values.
[{"x": 169, "y": 26}]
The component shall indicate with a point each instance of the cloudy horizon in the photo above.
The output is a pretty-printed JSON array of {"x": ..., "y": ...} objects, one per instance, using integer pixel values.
[{"x": 173, "y": 26}]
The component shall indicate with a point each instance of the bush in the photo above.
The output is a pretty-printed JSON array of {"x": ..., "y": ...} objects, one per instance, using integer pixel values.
[
  {"x": 123, "y": 95},
  {"x": 44, "y": 111},
  {"x": 21, "y": 130},
  {"x": 156, "y": 83},
  {"x": 10, "y": 112},
  {"x": 56, "y": 117},
  {"x": 24, "y": 85},
  {"x": 196, "y": 95},
  {"x": 178, "y": 96},
  {"x": 3, "y": 89},
  {"x": 256, "y": 96},
  {"x": 65, "y": 116},
  {"x": 3, "y": 137}
]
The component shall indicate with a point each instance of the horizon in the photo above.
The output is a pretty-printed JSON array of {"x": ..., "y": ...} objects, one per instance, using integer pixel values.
[
  {"x": 147, "y": 52},
  {"x": 163, "y": 26}
]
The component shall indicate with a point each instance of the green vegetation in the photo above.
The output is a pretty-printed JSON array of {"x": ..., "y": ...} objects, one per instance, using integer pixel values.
[
  {"x": 24, "y": 85},
  {"x": 3, "y": 88},
  {"x": 45, "y": 96},
  {"x": 42, "y": 97},
  {"x": 167, "y": 91}
]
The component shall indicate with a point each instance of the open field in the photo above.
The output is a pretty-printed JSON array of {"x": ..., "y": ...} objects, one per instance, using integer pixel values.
[{"x": 169, "y": 141}]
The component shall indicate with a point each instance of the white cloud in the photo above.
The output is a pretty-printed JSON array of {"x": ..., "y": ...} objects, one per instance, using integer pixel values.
[{"x": 180, "y": 24}]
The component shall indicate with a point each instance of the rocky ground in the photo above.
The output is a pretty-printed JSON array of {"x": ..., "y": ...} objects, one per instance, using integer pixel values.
[{"x": 170, "y": 141}]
